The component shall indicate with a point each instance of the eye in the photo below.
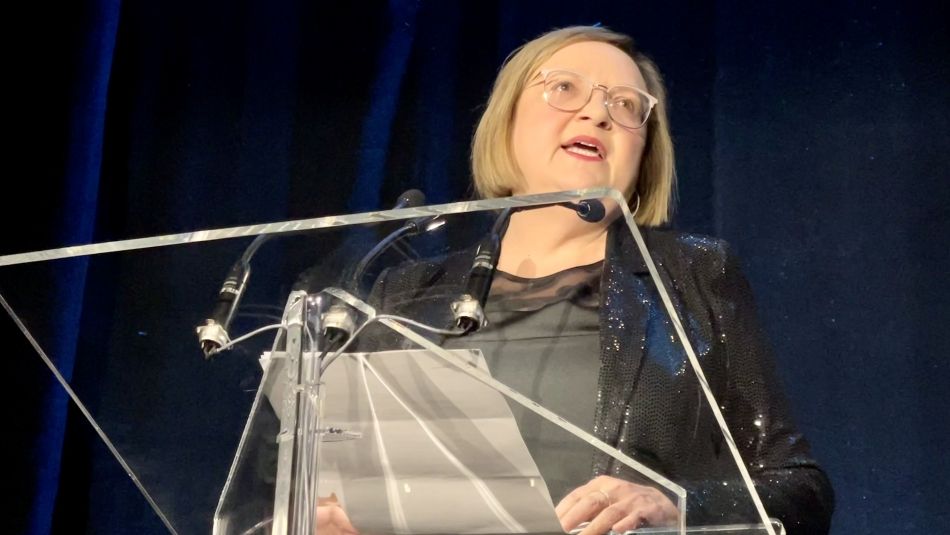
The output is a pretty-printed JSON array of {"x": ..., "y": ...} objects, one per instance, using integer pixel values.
[
  {"x": 626, "y": 104},
  {"x": 562, "y": 86}
]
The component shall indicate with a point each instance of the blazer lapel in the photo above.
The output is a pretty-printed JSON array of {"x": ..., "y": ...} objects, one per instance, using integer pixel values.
[{"x": 623, "y": 324}]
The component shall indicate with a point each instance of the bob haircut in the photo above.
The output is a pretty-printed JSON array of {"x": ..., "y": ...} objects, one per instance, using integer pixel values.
[{"x": 494, "y": 168}]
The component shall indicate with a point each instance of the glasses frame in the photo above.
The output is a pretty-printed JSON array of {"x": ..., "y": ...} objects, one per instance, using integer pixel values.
[{"x": 607, "y": 102}]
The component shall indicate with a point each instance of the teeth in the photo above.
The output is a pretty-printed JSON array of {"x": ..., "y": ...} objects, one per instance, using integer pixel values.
[{"x": 583, "y": 149}]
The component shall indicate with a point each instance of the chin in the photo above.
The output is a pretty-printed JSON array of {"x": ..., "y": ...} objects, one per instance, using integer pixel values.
[
  {"x": 585, "y": 184},
  {"x": 560, "y": 184}
]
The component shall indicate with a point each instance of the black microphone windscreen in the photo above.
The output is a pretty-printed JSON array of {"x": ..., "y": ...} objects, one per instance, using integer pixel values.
[
  {"x": 410, "y": 199},
  {"x": 591, "y": 210}
]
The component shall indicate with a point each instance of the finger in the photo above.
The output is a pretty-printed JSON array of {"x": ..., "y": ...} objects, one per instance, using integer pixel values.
[
  {"x": 604, "y": 520},
  {"x": 631, "y": 521},
  {"x": 332, "y": 519},
  {"x": 566, "y": 503},
  {"x": 324, "y": 514},
  {"x": 585, "y": 508},
  {"x": 571, "y": 499},
  {"x": 600, "y": 484},
  {"x": 342, "y": 521},
  {"x": 646, "y": 511},
  {"x": 661, "y": 511}
]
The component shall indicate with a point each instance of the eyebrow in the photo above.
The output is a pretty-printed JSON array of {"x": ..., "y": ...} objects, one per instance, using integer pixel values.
[{"x": 634, "y": 85}]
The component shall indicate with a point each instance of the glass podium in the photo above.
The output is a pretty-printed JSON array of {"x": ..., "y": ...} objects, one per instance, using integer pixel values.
[{"x": 336, "y": 381}]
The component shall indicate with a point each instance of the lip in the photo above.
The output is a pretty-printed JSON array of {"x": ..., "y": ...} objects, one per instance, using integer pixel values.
[{"x": 588, "y": 140}]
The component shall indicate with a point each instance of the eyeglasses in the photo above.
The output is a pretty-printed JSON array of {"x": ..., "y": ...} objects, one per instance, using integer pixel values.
[{"x": 569, "y": 91}]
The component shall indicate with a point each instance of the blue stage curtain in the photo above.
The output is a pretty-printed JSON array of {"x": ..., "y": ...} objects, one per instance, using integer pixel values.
[{"x": 812, "y": 136}]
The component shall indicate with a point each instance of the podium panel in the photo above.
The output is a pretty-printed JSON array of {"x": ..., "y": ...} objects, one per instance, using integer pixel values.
[{"x": 369, "y": 373}]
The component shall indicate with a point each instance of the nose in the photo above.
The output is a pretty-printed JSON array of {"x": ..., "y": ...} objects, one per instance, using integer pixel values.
[{"x": 596, "y": 108}]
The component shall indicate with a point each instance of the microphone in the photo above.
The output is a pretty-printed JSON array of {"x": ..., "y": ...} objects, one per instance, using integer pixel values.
[
  {"x": 590, "y": 210},
  {"x": 469, "y": 309},
  {"x": 214, "y": 333},
  {"x": 339, "y": 319},
  {"x": 410, "y": 199}
]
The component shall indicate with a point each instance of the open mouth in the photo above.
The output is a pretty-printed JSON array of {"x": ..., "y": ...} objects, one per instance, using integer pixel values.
[{"x": 581, "y": 148}]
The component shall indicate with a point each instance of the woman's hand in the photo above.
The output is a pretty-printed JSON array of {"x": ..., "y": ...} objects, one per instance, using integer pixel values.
[
  {"x": 332, "y": 519},
  {"x": 611, "y": 503}
]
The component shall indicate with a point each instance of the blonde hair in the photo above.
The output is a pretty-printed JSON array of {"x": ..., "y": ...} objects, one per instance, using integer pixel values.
[{"x": 494, "y": 168}]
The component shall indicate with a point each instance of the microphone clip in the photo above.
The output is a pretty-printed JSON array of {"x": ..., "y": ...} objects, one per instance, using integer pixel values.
[
  {"x": 469, "y": 314},
  {"x": 339, "y": 321},
  {"x": 469, "y": 309},
  {"x": 212, "y": 336}
]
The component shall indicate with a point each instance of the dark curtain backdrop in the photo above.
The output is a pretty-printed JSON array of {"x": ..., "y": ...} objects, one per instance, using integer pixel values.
[{"x": 812, "y": 136}]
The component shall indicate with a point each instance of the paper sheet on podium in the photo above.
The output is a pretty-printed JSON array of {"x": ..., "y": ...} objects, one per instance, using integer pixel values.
[{"x": 438, "y": 452}]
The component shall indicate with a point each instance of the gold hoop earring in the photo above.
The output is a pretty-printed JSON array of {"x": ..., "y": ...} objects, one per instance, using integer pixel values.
[{"x": 637, "y": 207}]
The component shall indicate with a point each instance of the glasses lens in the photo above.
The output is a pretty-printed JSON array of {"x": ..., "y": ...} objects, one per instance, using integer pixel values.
[
  {"x": 629, "y": 107},
  {"x": 565, "y": 90}
]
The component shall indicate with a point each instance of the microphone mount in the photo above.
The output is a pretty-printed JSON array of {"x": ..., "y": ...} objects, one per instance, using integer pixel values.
[{"x": 469, "y": 309}]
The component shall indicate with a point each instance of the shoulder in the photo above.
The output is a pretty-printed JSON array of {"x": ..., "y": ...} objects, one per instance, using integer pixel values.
[
  {"x": 702, "y": 267},
  {"x": 439, "y": 269},
  {"x": 421, "y": 279},
  {"x": 689, "y": 251}
]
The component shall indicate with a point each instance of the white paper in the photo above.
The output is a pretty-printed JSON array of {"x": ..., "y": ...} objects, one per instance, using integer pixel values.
[{"x": 439, "y": 452}]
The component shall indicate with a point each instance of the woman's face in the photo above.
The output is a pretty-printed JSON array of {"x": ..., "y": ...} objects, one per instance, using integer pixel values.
[{"x": 544, "y": 139}]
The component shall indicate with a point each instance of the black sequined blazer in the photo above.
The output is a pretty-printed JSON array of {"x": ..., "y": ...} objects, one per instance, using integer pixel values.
[{"x": 649, "y": 404}]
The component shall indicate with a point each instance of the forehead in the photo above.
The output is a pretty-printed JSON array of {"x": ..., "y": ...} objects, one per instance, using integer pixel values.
[{"x": 603, "y": 63}]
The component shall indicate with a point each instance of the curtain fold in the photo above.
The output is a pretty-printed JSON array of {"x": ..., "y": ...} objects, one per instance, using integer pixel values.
[{"x": 815, "y": 144}]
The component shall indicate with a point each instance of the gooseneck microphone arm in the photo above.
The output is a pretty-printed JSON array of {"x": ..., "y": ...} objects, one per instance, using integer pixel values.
[
  {"x": 469, "y": 309},
  {"x": 339, "y": 321},
  {"x": 213, "y": 334}
]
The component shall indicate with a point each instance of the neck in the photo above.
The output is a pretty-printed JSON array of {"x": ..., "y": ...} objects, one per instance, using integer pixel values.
[{"x": 547, "y": 240}]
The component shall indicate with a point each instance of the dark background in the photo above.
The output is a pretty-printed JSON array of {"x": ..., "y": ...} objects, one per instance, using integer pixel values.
[{"x": 812, "y": 136}]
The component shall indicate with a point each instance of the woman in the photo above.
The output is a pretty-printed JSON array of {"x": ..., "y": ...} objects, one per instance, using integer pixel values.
[{"x": 577, "y": 108}]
